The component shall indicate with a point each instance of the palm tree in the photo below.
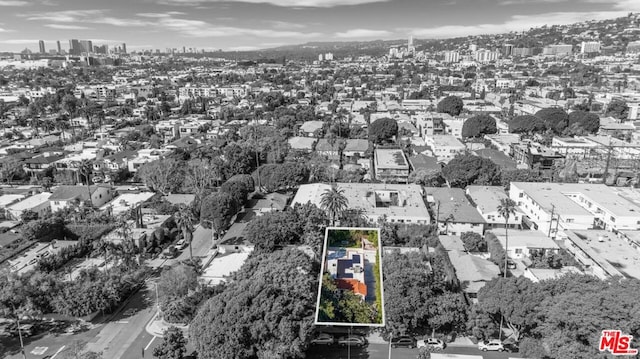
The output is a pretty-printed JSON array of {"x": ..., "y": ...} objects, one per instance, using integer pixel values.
[
  {"x": 334, "y": 202},
  {"x": 184, "y": 219},
  {"x": 84, "y": 168},
  {"x": 506, "y": 208}
]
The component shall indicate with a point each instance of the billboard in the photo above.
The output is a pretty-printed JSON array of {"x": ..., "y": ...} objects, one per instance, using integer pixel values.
[{"x": 350, "y": 292}]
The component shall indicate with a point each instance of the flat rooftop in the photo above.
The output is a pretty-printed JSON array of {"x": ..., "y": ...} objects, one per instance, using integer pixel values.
[
  {"x": 603, "y": 196},
  {"x": 487, "y": 198},
  {"x": 370, "y": 197},
  {"x": 391, "y": 158},
  {"x": 223, "y": 265},
  {"x": 615, "y": 251}
]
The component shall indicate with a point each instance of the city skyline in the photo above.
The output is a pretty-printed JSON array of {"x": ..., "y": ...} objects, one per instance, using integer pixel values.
[{"x": 254, "y": 24}]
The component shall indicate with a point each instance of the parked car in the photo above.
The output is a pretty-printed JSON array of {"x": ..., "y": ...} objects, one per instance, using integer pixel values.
[
  {"x": 403, "y": 342},
  {"x": 353, "y": 340},
  {"x": 181, "y": 244},
  {"x": 511, "y": 347},
  {"x": 511, "y": 264},
  {"x": 170, "y": 252},
  {"x": 26, "y": 330},
  {"x": 431, "y": 343},
  {"x": 323, "y": 339},
  {"x": 491, "y": 345}
]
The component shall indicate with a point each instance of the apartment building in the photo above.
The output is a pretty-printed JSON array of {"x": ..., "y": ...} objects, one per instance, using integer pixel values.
[
  {"x": 391, "y": 165},
  {"x": 487, "y": 199},
  {"x": 445, "y": 147},
  {"x": 555, "y": 207},
  {"x": 397, "y": 203}
]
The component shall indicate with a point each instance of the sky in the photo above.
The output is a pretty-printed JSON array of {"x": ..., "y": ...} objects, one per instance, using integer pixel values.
[{"x": 237, "y": 25}]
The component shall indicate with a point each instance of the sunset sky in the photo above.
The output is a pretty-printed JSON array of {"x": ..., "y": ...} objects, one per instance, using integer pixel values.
[{"x": 253, "y": 24}]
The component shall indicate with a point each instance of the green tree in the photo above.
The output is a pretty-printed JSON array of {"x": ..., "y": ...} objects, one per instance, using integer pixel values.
[
  {"x": 555, "y": 119},
  {"x": 478, "y": 126},
  {"x": 451, "y": 104},
  {"x": 334, "y": 202},
  {"x": 582, "y": 122},
  {"x": 173, "y": 346},
  {"x": 266, "y": 311},
  {"x": 184, "y": 219},
  {"x": 274, "y": 230},
  {"x": 466, "y": 169},
  {"x": 164, "y": 175},
  {"x": 506, "y": 209},
  {"x": 383, "y": 130},
  {"x": 526, "y": 124},
  {"x": 473, "y": 242},
  {"x": 217, "y": 210},
  {"x": 618, "y": 109}
]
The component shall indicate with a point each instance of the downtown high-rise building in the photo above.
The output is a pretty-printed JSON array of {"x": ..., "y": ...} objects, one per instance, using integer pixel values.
[
  {"x": 59, "y": 47},
  {"x": 86, "y": 46},
  {"x": 41, "y": 46},
  {"x": 74, "y": 47},
  {"x": 124, "y": 48}
]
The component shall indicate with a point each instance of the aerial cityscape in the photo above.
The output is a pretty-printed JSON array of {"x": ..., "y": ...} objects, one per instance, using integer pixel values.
[{"x": 319, "y": 179}]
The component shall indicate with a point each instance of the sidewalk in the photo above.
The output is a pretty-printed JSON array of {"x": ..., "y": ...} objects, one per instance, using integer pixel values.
[
  {"x": 462, "y": 342},
  {"x": 157, "y": 326}
]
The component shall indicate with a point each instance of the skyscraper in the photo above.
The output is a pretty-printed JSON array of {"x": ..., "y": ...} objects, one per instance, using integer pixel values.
[
  {"x": 86, "y": 46},
  {"x": 74, "y": 47},
  {"x": 59, "y": 47},
  {"x": 41, "y": 44},
  {"x": 124, "y": 48}
]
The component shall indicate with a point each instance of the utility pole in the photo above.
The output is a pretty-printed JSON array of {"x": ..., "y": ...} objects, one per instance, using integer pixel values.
[
  {"x": 606, "y": 166},
  {"x": 255, "y": 138},
  {"x": 553, "y": 209}
]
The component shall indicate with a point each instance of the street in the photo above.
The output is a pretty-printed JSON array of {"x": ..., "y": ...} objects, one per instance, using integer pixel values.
[
  {"x": 381, "y": 351},
  {"x": 124, "y": 335}
]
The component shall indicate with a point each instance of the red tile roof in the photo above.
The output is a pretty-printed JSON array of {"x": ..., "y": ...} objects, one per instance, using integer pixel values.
[{"x": 352, "y": 285}]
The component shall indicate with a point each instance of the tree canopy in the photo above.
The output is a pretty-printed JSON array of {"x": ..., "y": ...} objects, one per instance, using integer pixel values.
[
  {"x": 383, "y": 130},
  {"x": 451, "y": 104},
  {"x": 265, "y": 312},
  {"x": 478, "y": 126},
  {"x": 618, "y": 109},
  {"x": 555, "y": 119},
  {"x": 582, "y": 122},
  {"x": 467, "y": 169},
  {"x": 526, "y": 124}
]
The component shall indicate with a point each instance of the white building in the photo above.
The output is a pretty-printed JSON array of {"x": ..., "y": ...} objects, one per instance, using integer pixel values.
[
  {"x": 398, "y": 203},
  {"x": 555, "y": 207},
  {"x": 587, "y": 47},
  {"x": 38, "y": 203},
  {"x": 522, "y": 244},
  {"x": 487, "y": 200},
  {"x": 445, "y": 147}
]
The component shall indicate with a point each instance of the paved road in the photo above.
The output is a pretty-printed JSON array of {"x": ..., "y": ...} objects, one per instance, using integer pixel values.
[
  {"x": 381, "y": 351},
  {"x": 122, "y": 337}
]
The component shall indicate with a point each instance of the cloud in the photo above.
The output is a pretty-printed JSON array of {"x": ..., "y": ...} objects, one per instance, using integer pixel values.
[
  {"x": 13, "y": 3},
  {"x": 360, "y": 33},
  {"x": 285, "y": 25},
  {"x": 528, "y": 2},
  {"x": 65, "y": 16},
  {"x": 515, "y": 23},
  {"x": 66, "y": 27},
  {"x": 160, "y": 14},
  {"x": 198, "y": 28},
  {"x": 243, "y": 48},
  {"x": 281, "y": 3}
]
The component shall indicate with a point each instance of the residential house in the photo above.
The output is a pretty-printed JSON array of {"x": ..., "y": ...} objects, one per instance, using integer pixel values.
[
  {"x": 445, "y": 147},
  {"x": 69, "y": 196},
  {"x": 302, "y": 143},
  {"x": 38, "y": 203},
  {"x": 473, "y": 272},
  {"x": 38, "y": 165},
  {"x": 523, "y": 243},
  {"x": 454, "y": 213},
  {"x": 346, "y": 267},
  {"x": 146, "y": 156},
  {"x": 487, "y": 199},
  {"x": 499, "y": 158},
  {"x": 309, "y": 128},
  {"x": 535, "y": 155}
]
